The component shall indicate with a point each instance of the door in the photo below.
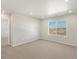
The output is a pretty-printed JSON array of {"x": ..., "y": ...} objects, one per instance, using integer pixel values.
[{"x": 4, "y": 30}]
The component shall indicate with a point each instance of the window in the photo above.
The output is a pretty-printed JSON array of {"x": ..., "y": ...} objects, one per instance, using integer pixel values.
[{"x": 57, "y": 27}]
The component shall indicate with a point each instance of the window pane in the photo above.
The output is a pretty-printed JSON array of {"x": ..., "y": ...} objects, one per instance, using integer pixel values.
[
  {"x": 52, "y": 27},
  {"x": 61, "y": 24},
  {"x": 52, "y": 24},
  {"x": 61, "y": 27}
]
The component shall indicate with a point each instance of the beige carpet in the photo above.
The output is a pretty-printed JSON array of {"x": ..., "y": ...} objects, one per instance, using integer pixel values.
[{"x": 39, "y": 49}]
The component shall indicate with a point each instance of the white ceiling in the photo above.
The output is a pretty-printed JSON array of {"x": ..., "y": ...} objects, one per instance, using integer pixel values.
[{"x": 37, "y": 8}]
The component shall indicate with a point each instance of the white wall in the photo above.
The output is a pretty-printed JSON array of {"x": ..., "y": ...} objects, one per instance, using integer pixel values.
[
  {"x": 69, "y": 39},
  {"x": 24, "y": 29}
]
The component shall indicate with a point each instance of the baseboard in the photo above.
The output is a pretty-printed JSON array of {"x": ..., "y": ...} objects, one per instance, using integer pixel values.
[
  {"x": 24, "y": 42},
  {"x": 61, "y": 43},
  {"x": 18, "y": 44}
]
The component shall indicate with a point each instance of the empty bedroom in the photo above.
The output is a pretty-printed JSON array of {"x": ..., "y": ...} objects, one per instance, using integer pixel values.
[{"x": 38, "y": 29}]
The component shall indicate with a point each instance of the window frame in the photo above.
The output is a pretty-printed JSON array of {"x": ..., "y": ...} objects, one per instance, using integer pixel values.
[{"x": 56, "y": 27}]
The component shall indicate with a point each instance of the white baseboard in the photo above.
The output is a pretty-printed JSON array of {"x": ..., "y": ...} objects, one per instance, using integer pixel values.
[
  {"x": 14, "y": 45},
  {"x": 61, "y": 42},
  {"x": 24, "y": 42}
]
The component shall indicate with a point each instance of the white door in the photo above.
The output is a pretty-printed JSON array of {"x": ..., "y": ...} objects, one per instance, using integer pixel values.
[{"x": 4, "y": 30}]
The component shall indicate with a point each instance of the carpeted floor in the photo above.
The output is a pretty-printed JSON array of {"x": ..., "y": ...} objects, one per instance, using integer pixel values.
[{"x": 39, "y": 49}]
